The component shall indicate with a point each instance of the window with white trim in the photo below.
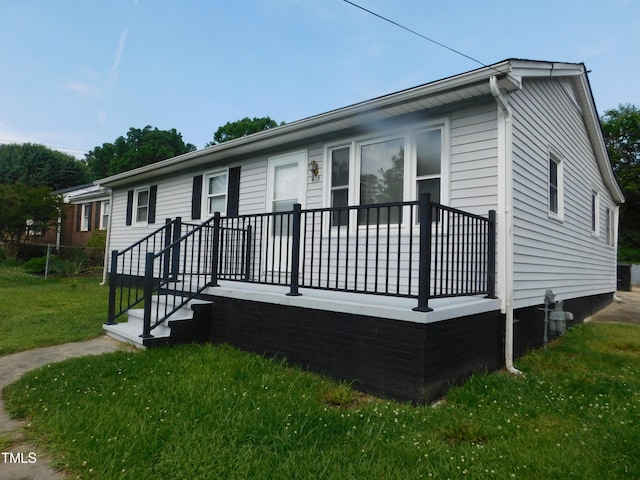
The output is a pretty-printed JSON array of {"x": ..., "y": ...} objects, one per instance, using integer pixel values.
[
  {"x": 555, "y": 187},
  {"x": 386, "y": 169},
  {"x": 595, "y": 213},
  {"x": 429, "y": 163},
  {"x": 105, "y": 211},
  {"x": 609, "y": 226},
  {"x": 141, "y": 208},
  {"x": 215, "y": 193},
  {"x": 339, "y": 195},
  {"x": 86, "y": 217}
]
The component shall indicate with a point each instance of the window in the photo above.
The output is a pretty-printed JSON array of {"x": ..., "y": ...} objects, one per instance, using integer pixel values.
[
  {"x": 555, "y": 187},
  {"x": 609, "y": 226},
  {"x": 386, "y": 170},
  {"x": 428, "y": 162},
  {"x": 142, "y": 205},
  {"x": 595, "y": 209},
  {"x": 340, "y": 158},
  {"x": 105, "y": 211},
  {"x": 216, "y": 193},
  {"x": 382, "y": 179},
  {"x": 86, "y": 217}
]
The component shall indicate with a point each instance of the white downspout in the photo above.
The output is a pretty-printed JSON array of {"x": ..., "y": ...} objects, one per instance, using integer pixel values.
[{"x": 506, "y": 240}]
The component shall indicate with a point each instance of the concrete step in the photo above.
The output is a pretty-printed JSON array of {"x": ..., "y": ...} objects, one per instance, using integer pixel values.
[{"x": 130, "y": 331}]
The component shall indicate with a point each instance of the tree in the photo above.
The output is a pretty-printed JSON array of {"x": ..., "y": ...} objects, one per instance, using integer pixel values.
[
  {"x": 25, "y": 210},
  {"x": 621, "y": 129},
  {"x": 140, "y": 147},
  {"x": 242, "y": 128},
  {"x": 37, "y": 165}
]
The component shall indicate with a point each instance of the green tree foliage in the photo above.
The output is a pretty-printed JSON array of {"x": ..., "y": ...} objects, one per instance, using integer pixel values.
[
  {"x": 37, "y": 165},
  {"x": 621, "y": 129},
  {"x": 139, "y": 148},
  {"x": 242, "y": 128},
  {"x": 25, "y": 209}
]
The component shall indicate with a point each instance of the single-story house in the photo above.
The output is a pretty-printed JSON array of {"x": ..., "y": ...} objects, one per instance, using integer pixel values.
[{"x": 401, "y": 243}]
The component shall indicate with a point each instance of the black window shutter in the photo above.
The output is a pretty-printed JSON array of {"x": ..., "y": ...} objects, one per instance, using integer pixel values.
[
  {"x": 90, "y": 205},
  {"x": 129, "y": 207},
  {"x": 196, "y": 198},
  {"x": 233, "y": 192},
  {"x": 78, "y": 217},
  {"x": 96, "y": 215},
  {"x": 153, "y": 194}
]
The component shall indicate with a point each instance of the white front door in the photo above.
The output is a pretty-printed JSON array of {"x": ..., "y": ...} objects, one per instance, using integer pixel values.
[{"x": 285, "y": 187}]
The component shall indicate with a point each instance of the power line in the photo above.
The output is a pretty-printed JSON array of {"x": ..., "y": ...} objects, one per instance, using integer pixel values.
[
  {"x": 416, "y": 33},
  {"x": 52, "y": 147}
]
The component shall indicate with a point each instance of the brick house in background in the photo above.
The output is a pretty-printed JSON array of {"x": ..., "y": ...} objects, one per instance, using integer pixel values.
[{"x": 86, "y": 209}]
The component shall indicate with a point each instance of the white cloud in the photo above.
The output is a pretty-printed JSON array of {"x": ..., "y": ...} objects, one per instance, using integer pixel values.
[{"x": 121, "y": 42}]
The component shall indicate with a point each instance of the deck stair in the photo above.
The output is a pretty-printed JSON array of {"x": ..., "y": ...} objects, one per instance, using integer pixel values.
[{"x": 190, "y": 324}]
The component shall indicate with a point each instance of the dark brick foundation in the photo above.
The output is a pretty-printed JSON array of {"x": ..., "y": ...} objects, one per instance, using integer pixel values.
[{"x": 397, "y": 359}]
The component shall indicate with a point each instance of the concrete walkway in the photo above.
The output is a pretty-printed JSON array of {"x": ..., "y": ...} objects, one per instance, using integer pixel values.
[{"x": 23, "y": 461}]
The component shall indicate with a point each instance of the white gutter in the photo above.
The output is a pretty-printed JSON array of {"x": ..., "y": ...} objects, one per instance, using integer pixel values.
[{"x": 505, "y": 233}]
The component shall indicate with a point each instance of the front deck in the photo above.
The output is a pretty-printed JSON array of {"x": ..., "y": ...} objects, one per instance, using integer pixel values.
[{"x": 397, "y": 298}]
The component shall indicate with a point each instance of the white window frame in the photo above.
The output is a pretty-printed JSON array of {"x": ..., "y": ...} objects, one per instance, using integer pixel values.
[
  {"x": 410, "y": 181},
  {"x": 136, "y": 206},
  {"x": 205, "y": 191},
  {"x": 105, "y": 213},
  {"x": 85, "y": 218},
  {"x": 610, "y": 220},
  {"x": 553, "y": 156},
  {"x": 595, "y": 213}
]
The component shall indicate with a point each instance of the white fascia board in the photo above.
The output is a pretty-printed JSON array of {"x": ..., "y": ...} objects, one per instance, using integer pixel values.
[{"x": 536, "y": 69}]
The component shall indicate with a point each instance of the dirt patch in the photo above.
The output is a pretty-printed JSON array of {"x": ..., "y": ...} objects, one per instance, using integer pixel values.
[{"x": 626, "y": 310}]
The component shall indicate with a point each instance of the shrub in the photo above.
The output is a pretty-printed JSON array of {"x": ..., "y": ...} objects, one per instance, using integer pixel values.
[
  {"x": 57, "y": 266},
  {"x": 35, "y": 265}
]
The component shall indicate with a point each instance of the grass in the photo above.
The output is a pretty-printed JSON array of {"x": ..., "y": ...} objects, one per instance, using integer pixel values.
[
  {"x": 200, "y": 412},
  {"x": 208, "y": 412},
  {"x": 38, "y": 312}
]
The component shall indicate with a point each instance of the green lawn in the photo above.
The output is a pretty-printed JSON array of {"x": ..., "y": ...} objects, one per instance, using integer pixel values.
[
  {"x": 38, "y": 313},
  {"x": 212, "y": 412},
  {"x": 209, "y": 412}
]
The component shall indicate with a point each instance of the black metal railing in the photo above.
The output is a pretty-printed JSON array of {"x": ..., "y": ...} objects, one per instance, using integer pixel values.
[
  {"x": 126, "y": 270},
  {"x": 374, "y": 249},
  {"x": 417, "y": 249}
]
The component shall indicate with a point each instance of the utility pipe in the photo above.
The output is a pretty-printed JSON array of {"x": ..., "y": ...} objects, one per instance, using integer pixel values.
[{"x": 505, "y": 151}]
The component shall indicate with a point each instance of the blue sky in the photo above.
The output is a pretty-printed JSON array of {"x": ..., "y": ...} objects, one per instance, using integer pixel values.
[{"x": 75, "y": 74}]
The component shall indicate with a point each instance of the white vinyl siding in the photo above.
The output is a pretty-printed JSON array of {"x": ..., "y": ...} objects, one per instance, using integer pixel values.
[
  {"x": 473, "y": 166},
  {"x": 563, "y": 256}
]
